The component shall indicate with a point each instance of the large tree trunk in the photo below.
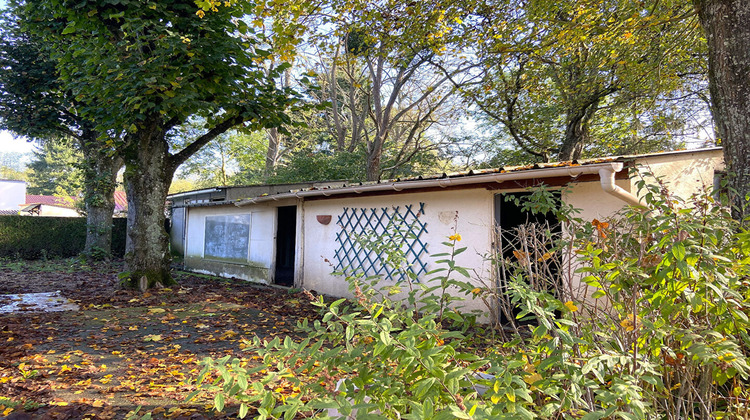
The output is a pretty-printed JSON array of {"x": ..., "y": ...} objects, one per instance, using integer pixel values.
[
  {"x": 374, "y": 155},
  {"x": 100, "y": 180},
  {"x": 727, "y": 27},
  {"x": 576, "y": 132},
  {"x": 148, "y": 175}
]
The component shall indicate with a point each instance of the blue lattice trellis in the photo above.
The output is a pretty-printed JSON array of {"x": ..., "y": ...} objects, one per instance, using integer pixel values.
[{"x": 367, "y": 237}]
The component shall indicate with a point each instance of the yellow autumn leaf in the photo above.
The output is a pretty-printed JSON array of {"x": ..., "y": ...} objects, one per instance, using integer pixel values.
[
  {"x": 520, "y": 255},
  {"x": 571, "y": 306},
  {"x": 631, "y": 322},
  {"x": 545, "y": 257},
  {"x": 532, "y": 378}
]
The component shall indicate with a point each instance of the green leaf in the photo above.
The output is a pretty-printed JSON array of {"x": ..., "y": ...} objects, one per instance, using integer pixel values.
[
  {"x": 219, "y": 402},
  {"x": 594, "y": 415},
  {"x": 71, "y": 28},
  {"x": 678, "y": 250},
  {"x": 599, "y": 293},
  {"x": 462, "y": 271}
]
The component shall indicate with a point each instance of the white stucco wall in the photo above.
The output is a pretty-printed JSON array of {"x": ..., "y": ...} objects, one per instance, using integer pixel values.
[
  {"x": 262, "y": 242},
  {"x": 592, "y": 201},
  {"x": 12, "y": 194},
  {"x": 316, "y": 242},
  {"x": 474, "y": 208},
  {"x": 684, "y": 173},
  {"x": 260, "y": 248}
]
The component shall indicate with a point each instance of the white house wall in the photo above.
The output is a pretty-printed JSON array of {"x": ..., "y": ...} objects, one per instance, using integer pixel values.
[
  {"x": 54, "y": 211},
  {"x": 592, "y": 202},
  {"x": 684, "y": 173},
  {"x": 12, "y": 194},
  {"x": 259, "y": 264},
  {"x": 470, "y": 212}
]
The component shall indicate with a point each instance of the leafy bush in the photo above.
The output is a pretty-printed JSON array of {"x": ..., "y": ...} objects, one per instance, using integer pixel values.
[
  {"x": 37, "y": 237},
  {"x": 648, "y": 319}
]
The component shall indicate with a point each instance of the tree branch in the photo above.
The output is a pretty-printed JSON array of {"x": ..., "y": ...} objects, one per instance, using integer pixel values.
[{"x": 180, "y": 157}]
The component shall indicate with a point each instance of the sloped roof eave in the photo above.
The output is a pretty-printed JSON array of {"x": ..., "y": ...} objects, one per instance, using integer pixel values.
[{"x": 572, "y": 171}]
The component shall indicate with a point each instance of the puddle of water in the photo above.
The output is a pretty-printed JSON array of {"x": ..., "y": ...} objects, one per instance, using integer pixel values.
[{"x": 36, "y": 302}]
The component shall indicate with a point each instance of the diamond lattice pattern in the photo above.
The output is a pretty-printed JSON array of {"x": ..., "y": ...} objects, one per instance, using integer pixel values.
[{"x": 387, "y": 228}]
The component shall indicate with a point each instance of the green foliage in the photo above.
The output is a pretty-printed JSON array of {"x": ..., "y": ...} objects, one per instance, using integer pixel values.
[
  {"x": 233, "y": 158},
  {"x": 56, "y": 170},
  {"x": 654, "y": 326},
  {"x": 387, "y": 353},
  {"x": 321, "y": 166},
  {"x": 577, "y": 78},
  {"x": 31, "y": 101},
  {"x": 130, "y": 62},
  {"x": 30, "y": 237}
]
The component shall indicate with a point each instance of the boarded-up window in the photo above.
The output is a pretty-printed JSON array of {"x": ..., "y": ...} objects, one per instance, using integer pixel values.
[{"x": 227, "y": 237}]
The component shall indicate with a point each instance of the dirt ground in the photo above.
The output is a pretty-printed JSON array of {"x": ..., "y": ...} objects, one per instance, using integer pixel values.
[{"x": 126, "y": 354}]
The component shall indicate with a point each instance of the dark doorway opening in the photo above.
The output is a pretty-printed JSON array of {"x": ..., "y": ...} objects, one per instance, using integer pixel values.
[
  {"x": 523, "y": 239},
  {"x": 286, "y": 235}
]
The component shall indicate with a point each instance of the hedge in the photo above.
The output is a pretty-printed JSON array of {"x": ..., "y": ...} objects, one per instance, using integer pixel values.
[{"x": 30, "y": 237}]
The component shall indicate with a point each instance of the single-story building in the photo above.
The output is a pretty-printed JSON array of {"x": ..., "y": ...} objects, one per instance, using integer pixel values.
[{"x": 300, "y": 237}]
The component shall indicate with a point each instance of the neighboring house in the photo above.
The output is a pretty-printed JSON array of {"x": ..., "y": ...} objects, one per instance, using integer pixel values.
[
  {"x": 12, "y": 195},
  {"x": 298, "y": 238},
  {"x": 15, "y": 201},
  {"x": 50, "y": 206}
]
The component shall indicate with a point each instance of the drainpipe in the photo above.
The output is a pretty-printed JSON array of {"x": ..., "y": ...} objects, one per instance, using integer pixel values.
[{"x": 607, "y": 180}]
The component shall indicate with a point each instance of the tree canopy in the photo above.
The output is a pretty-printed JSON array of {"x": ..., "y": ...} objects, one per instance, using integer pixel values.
[
  {"x": 145, "y": 69},
  {"x": 566, "y": 77}
]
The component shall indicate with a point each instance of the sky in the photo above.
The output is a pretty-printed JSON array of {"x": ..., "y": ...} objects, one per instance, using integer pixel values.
[{"x": 9, "y": 144}]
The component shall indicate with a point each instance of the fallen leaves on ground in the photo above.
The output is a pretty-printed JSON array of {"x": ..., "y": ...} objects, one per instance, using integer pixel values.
[{"x": 124, "y": 351}]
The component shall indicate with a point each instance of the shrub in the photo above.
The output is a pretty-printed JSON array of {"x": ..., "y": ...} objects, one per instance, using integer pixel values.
[
  {"x": 648, "y": 320},
  {"x": 36, "y": 237}
]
